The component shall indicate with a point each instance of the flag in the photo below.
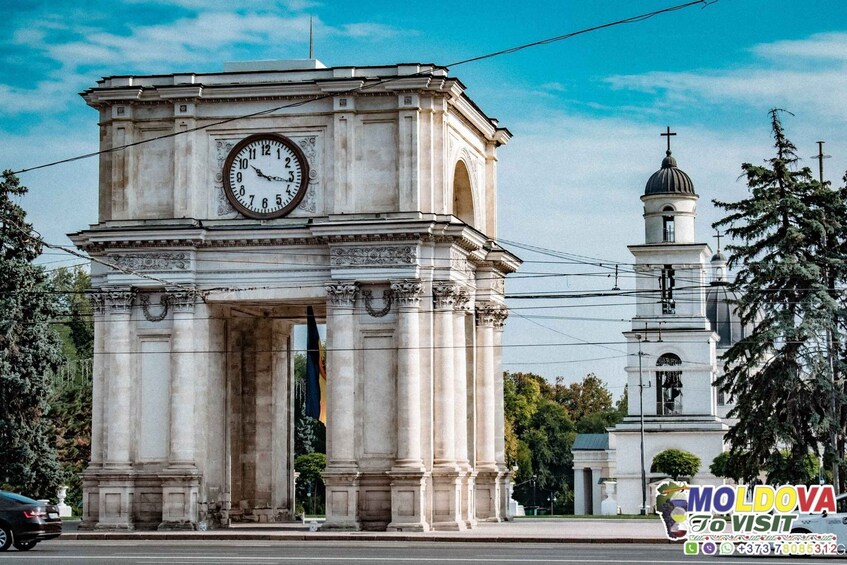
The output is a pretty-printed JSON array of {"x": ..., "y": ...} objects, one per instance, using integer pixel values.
[{"x": 315, "y": 372}]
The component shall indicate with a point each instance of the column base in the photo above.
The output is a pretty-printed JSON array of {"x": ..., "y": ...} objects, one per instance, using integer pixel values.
[
  {"x": 447, "y": 499},
  {"x": 180, "y": 494},
  {"x": 115, "y": 493},
  {"x": 504, "y": 481},
  {"x": 342, "y": 499},
  {"x": 468, "y": 496},
  {"x": 408, "y": 495},
  {"x": 488, "y": 496}
]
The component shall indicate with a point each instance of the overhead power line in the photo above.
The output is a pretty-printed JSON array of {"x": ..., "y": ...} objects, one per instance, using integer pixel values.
[{"x": 515, "y": 49}]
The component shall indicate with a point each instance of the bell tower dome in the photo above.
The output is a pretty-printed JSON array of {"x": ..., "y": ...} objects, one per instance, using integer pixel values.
[{"x": 670, "y": 203}]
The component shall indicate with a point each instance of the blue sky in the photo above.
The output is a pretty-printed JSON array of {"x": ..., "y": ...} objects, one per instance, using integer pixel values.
[{"x": 586, "y": 113}]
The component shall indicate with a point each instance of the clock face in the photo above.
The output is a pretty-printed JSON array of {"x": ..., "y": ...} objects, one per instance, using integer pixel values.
[{"x": 265, "y": 176}]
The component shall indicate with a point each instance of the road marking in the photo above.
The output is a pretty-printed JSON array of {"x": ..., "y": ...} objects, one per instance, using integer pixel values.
[{"x": 516, "y": 559}]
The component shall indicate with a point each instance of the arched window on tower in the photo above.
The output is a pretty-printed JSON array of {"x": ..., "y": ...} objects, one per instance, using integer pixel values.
[
  {"x": 668, "y": 386},
  {"x": 668, "y": 226},
  {"x": 666, "y": 286}
]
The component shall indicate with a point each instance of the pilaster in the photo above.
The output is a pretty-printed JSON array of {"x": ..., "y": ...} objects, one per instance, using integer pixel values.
[
  {"x": 460, "y": 404},
  {"x": 181, "y": 480},
  {"x": 446, "y": 474},
  {"x": 487, "y": 483},
  {"x": 341, "y": 476},
  {"x": 408, "y": 474}
]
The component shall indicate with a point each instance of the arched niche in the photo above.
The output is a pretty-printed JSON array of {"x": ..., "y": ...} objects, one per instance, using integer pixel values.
[{"x": 463, "y": 207}]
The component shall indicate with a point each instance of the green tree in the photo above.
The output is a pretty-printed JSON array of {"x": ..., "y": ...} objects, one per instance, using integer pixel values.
[
  {"x": 675, "y": 463},
  {"x": 786, "y": 232},
  {"x": 590, "y": 396},
  {"x": 724, "y": 465},
  {"x": 309, "y": 433},
  {"x": 29, "y": 353},
  {"x": 77, "y": 329},
  {"x": 70, "y": 400},
  {"x": 310, "y": 485}
]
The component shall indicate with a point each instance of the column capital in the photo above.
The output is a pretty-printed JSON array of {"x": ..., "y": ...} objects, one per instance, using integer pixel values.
[
  {"x": 98, "y": 302},
  {"x": 463, "y": 296},
  {"x": 342, "y": 294},
  {"x": 500, "y": 315},
  {"x": 444, "y": 294},
  {"x": 118, "y": 300},
  {"x": 407, "y": 293},
  {"x": 182, "y": 299},
  {"x": 486, "y": 312}
]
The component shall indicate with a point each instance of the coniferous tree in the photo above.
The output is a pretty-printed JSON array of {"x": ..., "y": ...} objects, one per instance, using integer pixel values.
[
  {"x": 778, "y": 375},
  {"x": 29, "y": 353}
]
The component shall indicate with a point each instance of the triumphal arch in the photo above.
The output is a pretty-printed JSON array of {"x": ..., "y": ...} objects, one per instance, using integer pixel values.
[{"x": 230, "y": 202}]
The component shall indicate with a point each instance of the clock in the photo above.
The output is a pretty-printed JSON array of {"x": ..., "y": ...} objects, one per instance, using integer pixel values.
[{"x": 265, "y": 176}]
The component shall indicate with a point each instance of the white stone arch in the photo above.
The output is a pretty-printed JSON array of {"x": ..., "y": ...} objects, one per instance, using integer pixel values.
[{"x": 465, "y": 201}]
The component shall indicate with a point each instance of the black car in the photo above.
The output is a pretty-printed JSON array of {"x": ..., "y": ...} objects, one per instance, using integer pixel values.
[{"x": 24, "y": 522}]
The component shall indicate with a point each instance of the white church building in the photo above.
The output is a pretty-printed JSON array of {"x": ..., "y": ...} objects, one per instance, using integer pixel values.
[{"x": 683, "y": 323}]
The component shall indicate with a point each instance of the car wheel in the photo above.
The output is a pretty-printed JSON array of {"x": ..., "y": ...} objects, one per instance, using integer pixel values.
[
  {"x": 5, "y": 537},
  {"x": 24, "y": 545}
]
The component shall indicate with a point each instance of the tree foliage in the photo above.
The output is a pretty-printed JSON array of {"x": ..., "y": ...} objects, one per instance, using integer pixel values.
[
  {"x": 309, "y": 433},
  {"x": 310, "y": 485},
  {"x": 29, "y": 353},
  {"x": 675, "y": 463},
  {"x": 788, "y": 240},
  {"x": 542, "y": 421}
]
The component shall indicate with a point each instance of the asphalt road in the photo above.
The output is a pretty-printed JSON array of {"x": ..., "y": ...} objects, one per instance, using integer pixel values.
[{"x": 335, "y": 553}]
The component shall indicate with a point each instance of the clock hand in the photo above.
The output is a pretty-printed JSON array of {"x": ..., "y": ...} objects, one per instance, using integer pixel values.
[
  {"x": 275, "y": 178},
  {"x": 260, "y": 173}
]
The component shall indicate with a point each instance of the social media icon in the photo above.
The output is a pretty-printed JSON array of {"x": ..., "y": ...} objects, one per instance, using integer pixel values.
[
  {"x": 727, "y": 548},
  {"x": 709, "y": 548},
  {"x": 691, "y": 548}
]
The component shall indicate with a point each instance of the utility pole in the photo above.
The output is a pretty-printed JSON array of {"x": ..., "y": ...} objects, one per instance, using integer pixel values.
[
  {"x": 830, "y": 349},
  {"x": 639, "y": 337}
]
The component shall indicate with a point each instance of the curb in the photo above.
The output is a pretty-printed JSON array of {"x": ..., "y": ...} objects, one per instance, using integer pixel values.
[{"x": 358, "y": 537}]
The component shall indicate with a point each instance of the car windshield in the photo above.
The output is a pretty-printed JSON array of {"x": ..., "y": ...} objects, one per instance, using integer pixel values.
[{"x": 17, "y": 498}]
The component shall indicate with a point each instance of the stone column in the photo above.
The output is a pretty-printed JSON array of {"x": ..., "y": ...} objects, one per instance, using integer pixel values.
[
  {"x": 100, "y": 364},
  {"x": 181, "y": 481},
  {"x": 408, "y": 476},
  {"x": 487, "y": 485},
  {"x": 499, "y": 412},
  {"x": 342, "y": 475},
  {"x": 116, "y": 483},
  {"x": 90, "y": 496},
  {"x": 447, "y": 499},
  {"x": 460, "y": 365}
]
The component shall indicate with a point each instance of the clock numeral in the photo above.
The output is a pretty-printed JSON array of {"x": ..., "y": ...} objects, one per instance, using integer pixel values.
[
  {"x": 251, "y": 199},
  {"x": 288, "y": 191},
  {"x": 264, "y": 202},
  {"x": 252, "y": 152},
  {"x": 287, "y": 162},
  {"x": 290, "y": 176},
  {"x": 279, "y": 199},
  {"x": 241, "y": 190},
  {"x": 266, "y": 150},
  {"x": 239, "y": 177},
  {"x": 242, "y": 163}
]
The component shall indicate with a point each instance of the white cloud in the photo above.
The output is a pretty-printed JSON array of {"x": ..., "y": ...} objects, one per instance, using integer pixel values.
[
  {"x": 808, "y": 76},
  {"x": 194, "y": 40},
  {"x": 831, "y": 46}
]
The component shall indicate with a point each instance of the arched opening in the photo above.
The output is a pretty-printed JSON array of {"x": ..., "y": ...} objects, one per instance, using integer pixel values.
[
  {"x": 668, "y": 225},
  {"x": 668, "y": 386},
  {"x": 462, "y": 194}
]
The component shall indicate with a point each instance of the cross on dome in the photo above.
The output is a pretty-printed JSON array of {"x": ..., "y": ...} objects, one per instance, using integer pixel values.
[{"x": 668, "y": 134}]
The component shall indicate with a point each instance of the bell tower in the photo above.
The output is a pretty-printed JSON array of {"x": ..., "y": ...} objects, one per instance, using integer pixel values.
[{"x": 671, "y": 345}]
